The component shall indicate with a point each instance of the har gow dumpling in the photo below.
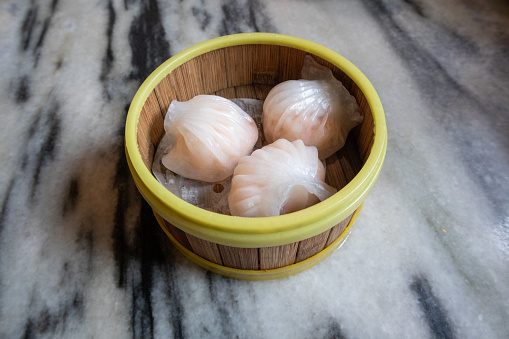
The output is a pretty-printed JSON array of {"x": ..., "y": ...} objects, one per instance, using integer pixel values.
[
  {"x": 280, "y": 178},
  {"x": 317, "y": 109},
  {"x": 207, "y": 136}
]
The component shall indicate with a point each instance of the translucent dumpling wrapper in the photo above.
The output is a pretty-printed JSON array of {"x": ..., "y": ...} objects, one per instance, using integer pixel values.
[
  {"x": 207, "y": 136},
  {"x": 280, "y": 178},
  {"x": 317, "y": 109}
]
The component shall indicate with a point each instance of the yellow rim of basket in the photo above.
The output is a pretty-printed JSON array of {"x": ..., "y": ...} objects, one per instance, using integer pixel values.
[
  {"x": 266, "y": 231},
  {"x": 259, "y": 275}
]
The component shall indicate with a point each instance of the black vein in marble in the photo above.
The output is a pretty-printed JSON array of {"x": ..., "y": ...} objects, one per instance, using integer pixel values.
[
  {"x": 42, "y": 139},
  {"x": 202, "y": 15},
  {"x": 176, "y": 309},
  {"x": 28, "y": 25},
  {"x": 138, "y": 249},
  {"x": 51, "y": 321},
  {"x": 334, "y": 331},
  {"x": 34, "y": 29},
  {"x": 40, "y": 41},
  {"x": 136, "y": 257},
  {"x": 416, "y": 6},
  {"x": 127, "y": 3},
  {"x": 120, "y": 246},
  {"x": 85, "y": 243},
  {"x": 427, "y": 70},
  {"x": 147, "y": 40},
  {"x": 444, "y": 91},
  {"x": 5, "y": 204},
  {"x": 23, "y": 88},
  {"x": 225, "y": 303},
  {"x": 47, "y": 150},
  {"x": 71, "y": 197},
  {"x": 245, "y": 17},
  {"x": 150, "y": 255},
  {"x": 125, "y": 255},
  {"x": 33, "y": 32},
  {"x": 109, "y": 58},
  {"x": 434, "y": 313}
]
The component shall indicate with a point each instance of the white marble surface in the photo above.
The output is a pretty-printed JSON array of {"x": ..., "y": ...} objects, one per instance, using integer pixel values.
[{"x": 82, "y": 257}]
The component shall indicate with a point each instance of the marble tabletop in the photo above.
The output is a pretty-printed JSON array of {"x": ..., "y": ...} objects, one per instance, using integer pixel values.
[{"x": 81, "y": 255}]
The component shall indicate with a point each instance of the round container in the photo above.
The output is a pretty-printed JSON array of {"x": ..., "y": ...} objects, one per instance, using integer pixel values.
[{"x": 248, "y": 66}]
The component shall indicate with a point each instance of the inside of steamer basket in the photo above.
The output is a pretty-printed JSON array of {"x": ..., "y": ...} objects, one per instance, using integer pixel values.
[{"x": 250, "y": 71}]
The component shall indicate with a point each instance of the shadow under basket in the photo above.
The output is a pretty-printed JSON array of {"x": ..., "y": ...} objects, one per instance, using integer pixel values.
[{"x": 248, "y": 66}]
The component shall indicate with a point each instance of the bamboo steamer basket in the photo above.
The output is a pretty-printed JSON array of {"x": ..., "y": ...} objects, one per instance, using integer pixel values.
[{"x": 248, "y": 66}]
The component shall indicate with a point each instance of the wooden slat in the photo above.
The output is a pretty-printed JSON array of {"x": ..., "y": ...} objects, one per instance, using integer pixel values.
[
  {"x": 240, "y": 65},
  {"x": 245, "y": 91},
  {"x": 262, "y": 91},
  {"x": 365, "y": 136},
  {"x": 189, "y": 81},
  {"x": 265, "y": 64},
  {"x": 290, "y": 63},
  {"x": 337, "y": 230},
  {"x": 228, "y": 93},
  {"x": 145, "y": 146},
  {"x": 236, "y": 257},
  {"x": 150, "y": 129},
  {"x": 344, "y": 79},
  {"x": 166, "y": 93},
  {"x": 151, "y": 115},
  {"x": 334, "y": 175},
  {"x": 179, "y": 235},
  {"x": 349, "y": 159},
  {"x": 205, "y": 249},
  {"x": 278, "y": 256},
  {"x": 213, "y": 71},
  {"x": 311, "y": 246}
]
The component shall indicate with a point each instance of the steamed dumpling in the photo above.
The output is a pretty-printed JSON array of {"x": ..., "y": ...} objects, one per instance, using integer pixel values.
[
  {"x": 280, "y": 178},
  {"x": 207, "y": 137},
  {"x": 316, "y": 109}
]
